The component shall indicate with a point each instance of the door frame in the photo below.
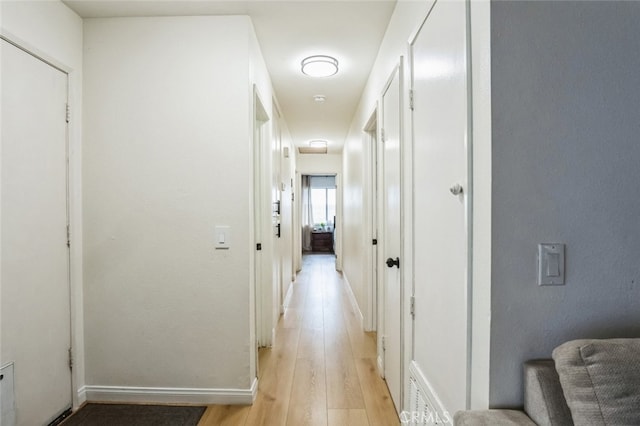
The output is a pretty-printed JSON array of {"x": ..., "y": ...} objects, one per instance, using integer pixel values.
[
  {"x": 73, "y": 209},
  {"x": 261, "y": 212},
  {"x": 371, "y": 264}
]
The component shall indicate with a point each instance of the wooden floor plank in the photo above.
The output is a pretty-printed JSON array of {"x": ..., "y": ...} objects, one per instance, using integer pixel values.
[
  {"x": 343, "y": 384},
  {"x": 347, "y": 417},
  {"x": 322, "y": 368},
  {"x": 225, "y": 415},
  {"x": 377, "y": 399},
  {"x": 308, "y": 402},
  {"x": 292, "y": 317},
  {"x": 311, "y": 343},
  {"x": 277, "y": 366}
]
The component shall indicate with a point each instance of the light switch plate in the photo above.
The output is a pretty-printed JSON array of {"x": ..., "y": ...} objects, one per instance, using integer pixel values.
[
  {"x": 551, "y": 264},
  {"x": 223, "y": 237}
]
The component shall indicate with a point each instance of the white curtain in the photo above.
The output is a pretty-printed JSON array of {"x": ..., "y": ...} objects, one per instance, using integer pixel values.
[{"x": 307, "y": 213}]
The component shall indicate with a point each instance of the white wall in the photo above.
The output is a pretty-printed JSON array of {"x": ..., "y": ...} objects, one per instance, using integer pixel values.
[
  {"x": 318, "y": 164},
  {"x": 565, "y": 169},
  {"x": 54, "y": 32},
  {"x": 287, "y": 172},
  {"x": 356, "y": 220},
  {"x": 168, "y": 143}
]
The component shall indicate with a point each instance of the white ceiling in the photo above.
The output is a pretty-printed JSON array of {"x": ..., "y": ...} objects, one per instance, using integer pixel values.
[{"x": 288, "y": 31}]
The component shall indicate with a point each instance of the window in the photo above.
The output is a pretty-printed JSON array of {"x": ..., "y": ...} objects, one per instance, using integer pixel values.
[{"x": 323, "y": 201}]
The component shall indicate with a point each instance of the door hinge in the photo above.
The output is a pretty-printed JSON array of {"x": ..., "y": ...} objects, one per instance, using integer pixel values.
[
  {"x": 68, "y": 113},
  {"x": 411, "y": 99},
  {"x": 374, "y": 241},
  {"x": 384, "y": 343},
  {"x": 382, "y": 136},
  {"x": 259, "y": 246},
  {"x": 68, "y": 236},
  {"x": 70, "y": 359},
  {"x": 412, "y": 308}
]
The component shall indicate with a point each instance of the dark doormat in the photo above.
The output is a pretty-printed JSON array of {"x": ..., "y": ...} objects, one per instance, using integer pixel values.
[{"x": 135, "y": 415}]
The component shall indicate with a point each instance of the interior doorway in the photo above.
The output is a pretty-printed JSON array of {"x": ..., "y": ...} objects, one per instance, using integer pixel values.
[
  {"x": 261, "y": 217},
  {"x": 319, "y": 214}
]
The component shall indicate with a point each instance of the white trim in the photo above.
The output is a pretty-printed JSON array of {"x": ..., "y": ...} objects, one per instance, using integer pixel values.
[
  {"x": 81, "y": 395},
  {"x": 370, "y": 224},
  {"x": 169, "y": 395},
  {"x": 287, "y": 298},
  {"x": 354, "y": 302},
  {"x": 480, "y": 47},
  {"x": 380, "y": 363},
  {"x": 34, "y": 51}
]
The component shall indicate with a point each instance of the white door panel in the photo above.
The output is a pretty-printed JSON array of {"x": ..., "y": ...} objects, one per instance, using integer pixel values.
[
  {"x": 440, "y": 123},
  {"x": 36, "y": 330},
  {"x": 391, "y": 230}
]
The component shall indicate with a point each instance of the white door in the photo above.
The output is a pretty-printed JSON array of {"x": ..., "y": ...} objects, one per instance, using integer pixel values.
[
  {"x": 276, "y": 199},
  {"x": 262, "y": 219},
  {"x": 441, "y": 196},
  {"x": 391, "y": 230},
  {"x": 36, "y": 332}
]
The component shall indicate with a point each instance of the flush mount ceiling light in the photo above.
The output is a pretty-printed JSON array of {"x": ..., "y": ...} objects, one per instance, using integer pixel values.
[
  {"x": 320, "y": 98},
  {"x": 319, "y": 66},
  {"x": 318, "y": 143},
  {"x": 316, "y": 146}
]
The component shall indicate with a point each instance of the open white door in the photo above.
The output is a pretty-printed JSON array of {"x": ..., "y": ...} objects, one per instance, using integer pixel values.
[
  {"x": 441, "y": 201},
  {"x": 261, "y": 218},
  {"x": 372, "y": 198},
  {"x": 36, "y": 329},
  {"x": 392, "y": 287}
]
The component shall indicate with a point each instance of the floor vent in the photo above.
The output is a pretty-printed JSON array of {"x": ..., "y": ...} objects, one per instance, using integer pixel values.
[{"x": 422, "y": 409}]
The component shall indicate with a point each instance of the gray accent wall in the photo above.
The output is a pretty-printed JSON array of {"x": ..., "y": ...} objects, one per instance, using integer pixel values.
[{"x": 566, "y": 168}]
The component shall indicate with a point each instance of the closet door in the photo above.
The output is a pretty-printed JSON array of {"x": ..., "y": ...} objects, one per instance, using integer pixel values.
[
  {"x": 392, "y": 232},
  {"x": 442, "y": 189},
  {"x": 36, "y": 332}
]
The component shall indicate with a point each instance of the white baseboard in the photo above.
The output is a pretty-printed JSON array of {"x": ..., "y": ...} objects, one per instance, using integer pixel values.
[
  {"x": 287, "y": 298},
  {"x": 169, "y": 395},
  {"x": 354, "y": 302},
  {"x": 82, "y": 396}
]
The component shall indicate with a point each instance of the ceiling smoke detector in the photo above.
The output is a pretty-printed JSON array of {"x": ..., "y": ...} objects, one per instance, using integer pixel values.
[{"x": 319, "y": 66}]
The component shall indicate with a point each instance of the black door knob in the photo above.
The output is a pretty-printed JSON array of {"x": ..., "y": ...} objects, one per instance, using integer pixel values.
[{"x": 391, "y": 262}]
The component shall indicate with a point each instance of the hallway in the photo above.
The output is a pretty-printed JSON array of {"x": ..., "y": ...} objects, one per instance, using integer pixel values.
[{"x": 322, "y": 368}]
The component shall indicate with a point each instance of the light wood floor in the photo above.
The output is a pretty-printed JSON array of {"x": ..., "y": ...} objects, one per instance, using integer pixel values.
[{"x": 322, "y": 368}]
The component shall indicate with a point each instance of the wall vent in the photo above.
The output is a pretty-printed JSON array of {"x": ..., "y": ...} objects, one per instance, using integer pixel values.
[{"x": 422, "y": 409}]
